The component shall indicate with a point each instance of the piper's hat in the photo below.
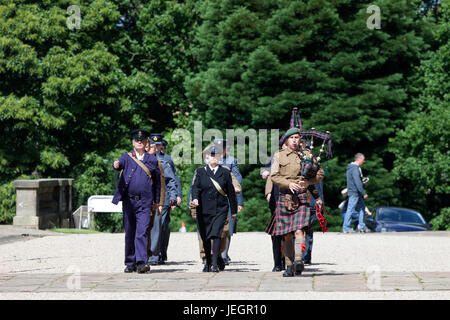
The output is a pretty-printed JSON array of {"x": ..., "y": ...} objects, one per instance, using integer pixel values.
[
  {"x": 139, "y": 134},
  {"x": 156, "y": 138},
  {"x": 289, "y": 133}
]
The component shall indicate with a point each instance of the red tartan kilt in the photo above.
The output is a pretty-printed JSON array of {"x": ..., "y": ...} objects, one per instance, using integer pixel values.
[{"x": 285, "y": 221}]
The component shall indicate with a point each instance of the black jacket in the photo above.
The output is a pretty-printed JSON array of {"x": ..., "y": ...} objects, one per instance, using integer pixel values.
[{"x": 210, "y": 200}]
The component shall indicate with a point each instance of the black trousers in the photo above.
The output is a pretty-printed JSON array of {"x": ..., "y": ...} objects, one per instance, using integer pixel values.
[{"x": 276, "y": 249}]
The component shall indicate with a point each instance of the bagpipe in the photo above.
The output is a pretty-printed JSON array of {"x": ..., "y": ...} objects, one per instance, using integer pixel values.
[{"x": 296, "y": 122}]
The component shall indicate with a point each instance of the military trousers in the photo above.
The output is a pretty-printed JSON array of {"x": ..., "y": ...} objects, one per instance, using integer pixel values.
[
  {"x": 165, "y": 232},
  {"x": 136, "y": 221}
]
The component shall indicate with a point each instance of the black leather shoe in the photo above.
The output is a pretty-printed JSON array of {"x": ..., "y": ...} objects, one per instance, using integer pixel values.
[
  {"x": 276, "y": 269},
  {"x": 289, "y": 272},
  {"x": 220, "y": 263},
  {"x": 226, "y": 261},
  {"x": 143, "y": 268},
  {"x": 160, "y": 261},
  {"x": 130, "y": 269},
  {"x": 298, "y": 267},
  {"x": 307, "y": 262},
  {"x": 214, "y": 269},
  {"x": 207, "y": 268}
]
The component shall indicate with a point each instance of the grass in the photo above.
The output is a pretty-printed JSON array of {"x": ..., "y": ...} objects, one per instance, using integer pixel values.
[{"x": 75, "y": 231}]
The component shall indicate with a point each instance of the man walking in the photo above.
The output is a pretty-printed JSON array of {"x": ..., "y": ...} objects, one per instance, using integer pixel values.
[
  {"x": 165, "y": 228},
  {"x": 139, "y": 190},
  {"x": 159, "y": 230},
  {"x": 356, "y": 195}
]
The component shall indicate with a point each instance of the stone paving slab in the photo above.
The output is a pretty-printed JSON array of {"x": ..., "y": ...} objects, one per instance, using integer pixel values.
[
  {"x": 223, "y": 282},
  {"x": 340, "y": 282}
]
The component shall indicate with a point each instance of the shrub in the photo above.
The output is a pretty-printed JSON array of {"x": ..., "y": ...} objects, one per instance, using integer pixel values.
[
  {"x": 7, "y": 203},
  {"x": 442, "y": 221},
  {"x": 8, "y": 200}
]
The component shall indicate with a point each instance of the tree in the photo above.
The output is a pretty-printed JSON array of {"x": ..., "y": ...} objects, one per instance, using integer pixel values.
[
  {"x": 259, "y": 59},
  {"x": 69, "y": 97},
  {"x": 422, "y": 152}
]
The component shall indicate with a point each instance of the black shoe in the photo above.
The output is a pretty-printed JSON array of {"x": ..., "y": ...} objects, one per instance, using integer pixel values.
[
  {"x": 130, "y": 269},
  {"x": 220, "y": 263},
  {"x": 307, "y": 262},
  {"x": 276, "y": 269},
  {"x": 298, "y": 267},
  {"x": 143, "y": 268},
  {"x": 214, "y": 269},
  {"x": 289, "y": 272},
  {"x": 207, "y": 268},
  {"x": 226, "y": 261},
  {"x": 160, "y": 261}
]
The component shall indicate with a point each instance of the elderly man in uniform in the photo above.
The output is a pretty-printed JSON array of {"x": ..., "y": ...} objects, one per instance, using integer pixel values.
[
  {"x": 160, "y": 225},
  {"x": 139, "y": 190},
  {"x": 231, "y": 163},
  {"x": 166, "y": 220},
  {"x": 168, "y": 158}
]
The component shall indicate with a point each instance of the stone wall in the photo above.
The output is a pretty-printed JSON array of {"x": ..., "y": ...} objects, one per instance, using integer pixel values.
[{"x": 43, "y": 203}]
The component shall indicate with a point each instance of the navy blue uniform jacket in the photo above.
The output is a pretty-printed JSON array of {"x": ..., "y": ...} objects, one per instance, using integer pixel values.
[{"x": 134, "y": 181}]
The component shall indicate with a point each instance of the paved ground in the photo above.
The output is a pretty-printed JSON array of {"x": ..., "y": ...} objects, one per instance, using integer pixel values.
[{"x": 46, "y": 265}]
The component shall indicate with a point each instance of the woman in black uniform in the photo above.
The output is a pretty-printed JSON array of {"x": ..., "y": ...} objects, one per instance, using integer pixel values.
[{"x": 212, "y": 193}]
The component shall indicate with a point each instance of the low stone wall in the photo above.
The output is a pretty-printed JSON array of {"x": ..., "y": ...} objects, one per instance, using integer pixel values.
[{"x": 43, "y": 203}]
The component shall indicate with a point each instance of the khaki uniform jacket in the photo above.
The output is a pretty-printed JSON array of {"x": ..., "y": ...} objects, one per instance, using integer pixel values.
[{"x": 286, "y": 168}]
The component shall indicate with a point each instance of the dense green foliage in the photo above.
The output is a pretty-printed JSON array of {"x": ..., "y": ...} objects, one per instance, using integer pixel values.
[{"x": 68, "y": 98}]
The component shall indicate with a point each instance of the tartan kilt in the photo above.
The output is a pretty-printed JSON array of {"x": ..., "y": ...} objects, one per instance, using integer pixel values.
[{"x": 284, "y": 221}]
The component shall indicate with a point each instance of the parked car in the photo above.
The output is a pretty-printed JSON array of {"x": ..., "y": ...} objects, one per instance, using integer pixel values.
[{"x": 392, "y": 219}]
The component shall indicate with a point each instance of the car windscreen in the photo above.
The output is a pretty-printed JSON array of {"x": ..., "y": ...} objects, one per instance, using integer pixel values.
[{"x": 400, "y": 216}]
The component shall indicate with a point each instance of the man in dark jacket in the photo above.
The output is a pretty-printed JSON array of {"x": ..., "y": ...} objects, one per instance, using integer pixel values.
[
  {"x": 139, "y": 190},
  {"x": 356, "y": 195}
]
